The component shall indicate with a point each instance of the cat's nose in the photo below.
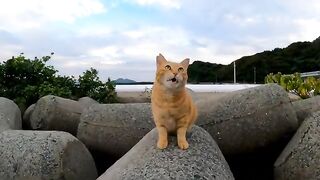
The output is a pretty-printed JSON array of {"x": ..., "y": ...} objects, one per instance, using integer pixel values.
[{"x": 175, "y": 74}]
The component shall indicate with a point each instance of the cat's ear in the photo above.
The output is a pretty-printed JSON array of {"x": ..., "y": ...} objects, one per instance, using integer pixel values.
[
  {"x": 185, "y": 63},
  {"x": 160, "y": 60}
]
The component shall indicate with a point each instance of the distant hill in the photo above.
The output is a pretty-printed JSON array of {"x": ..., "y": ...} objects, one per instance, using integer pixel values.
[
  {"x": 297, "y": 57},
  {"x": 124, "y": 81}
]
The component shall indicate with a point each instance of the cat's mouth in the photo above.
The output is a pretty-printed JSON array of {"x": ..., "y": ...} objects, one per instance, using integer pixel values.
[{"x": 174, "y": 80}]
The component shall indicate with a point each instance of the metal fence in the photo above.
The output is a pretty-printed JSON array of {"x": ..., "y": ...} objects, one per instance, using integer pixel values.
[{"x": 308, "y": 74}]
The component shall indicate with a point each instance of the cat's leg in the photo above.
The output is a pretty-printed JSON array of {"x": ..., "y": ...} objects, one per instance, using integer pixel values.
[
  {"x": 181, "y": 135},
  {"x": 163, "y": 137},
  {"x": 193, "y": 117}
]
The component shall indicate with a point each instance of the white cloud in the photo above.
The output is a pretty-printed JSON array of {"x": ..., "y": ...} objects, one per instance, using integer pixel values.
[
  {"x": 242, "y": 21},
  {"x": 308, "y": 29},
  {"x": 176, "y": 4},
  {"x": 125, "y": 43},
  {"x": 70, "y": 65},
  {"x": 18, "y": 15},
  {"x": 95, "y": 30},
  {"x": 109, "y": 55},
  {"x": 219, "y": 52},
  {"x": 149, "y": 41},
  {"x": 310, "y": 7},
  {"x": 177, "y": 44},
  {"x": 9, "y": 50},
  {"x": 111, "y": 51}
]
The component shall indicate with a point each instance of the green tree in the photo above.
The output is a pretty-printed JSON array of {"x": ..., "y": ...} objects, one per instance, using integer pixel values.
[
  {"x": 297, "y": 57},
  {"x": 21, "y": 78},
  {"x": 91, "y": 86},
  {"x": 25, "y": 81}
]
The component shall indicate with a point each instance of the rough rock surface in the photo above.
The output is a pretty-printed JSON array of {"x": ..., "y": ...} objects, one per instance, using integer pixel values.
[
  {"x": 44, "y": 155},
  {"x": 306, "y": 107},
  {"x": 56, "y": 113},
  {"x": 245, "y": 120},
  {"x": 26, "y": 117},
  {"x": 203, "y": 160},
  {"x": 114, "y": 128},
  {"x": 300, "y": 158},
  {"x": 134, "y": 97},
  {"x": 86, "y": 102},
  {"x": 10, "y": 115},
  {"x": 142, "y": 96},
  {"x": 294, "y": 97},
  {"x": 241, "y": 121}
]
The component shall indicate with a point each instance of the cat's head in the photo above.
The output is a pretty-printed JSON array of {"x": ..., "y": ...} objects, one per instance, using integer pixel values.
[{"x": 170, "y": 74}]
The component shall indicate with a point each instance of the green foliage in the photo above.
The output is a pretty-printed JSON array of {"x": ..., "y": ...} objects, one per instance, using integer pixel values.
[
  {"x": 25, "y": 81},
  {"x": 203, "y": 72},
  {"x": 90, "y": 85},
  {"x": 297, "y": 57},
  {"x": 293, "y": 83},
  {"x": 21, "y": 78}
]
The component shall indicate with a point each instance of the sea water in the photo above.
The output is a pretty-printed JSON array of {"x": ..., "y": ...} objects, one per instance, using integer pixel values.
[{"x": 193, "y": 87}]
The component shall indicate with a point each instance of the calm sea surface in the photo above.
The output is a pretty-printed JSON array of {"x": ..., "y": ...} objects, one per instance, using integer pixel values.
[{"x": 194, "y": 87}]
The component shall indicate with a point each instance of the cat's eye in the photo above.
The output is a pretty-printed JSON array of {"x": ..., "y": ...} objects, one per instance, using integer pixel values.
[
  {"x": 167, "y": 67},
  {"x": 180, "y": 69}
]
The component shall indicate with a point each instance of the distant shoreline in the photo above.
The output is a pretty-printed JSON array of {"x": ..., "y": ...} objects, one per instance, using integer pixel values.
[
  {"x": 134, "y": 83},
  {"x": 193, "y": 87}
]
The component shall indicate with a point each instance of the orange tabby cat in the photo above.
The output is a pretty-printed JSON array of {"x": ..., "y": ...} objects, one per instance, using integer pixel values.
[{"x": 172, "y": 106}]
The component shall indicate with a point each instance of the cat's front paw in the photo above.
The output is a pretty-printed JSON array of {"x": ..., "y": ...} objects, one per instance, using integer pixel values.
[
  {"x": 183, "y": 145},
  {"x": 162, "y": 144}
]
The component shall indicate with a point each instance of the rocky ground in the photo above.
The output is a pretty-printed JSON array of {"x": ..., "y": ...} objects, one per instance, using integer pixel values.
[{"x": 257, "y": 133}]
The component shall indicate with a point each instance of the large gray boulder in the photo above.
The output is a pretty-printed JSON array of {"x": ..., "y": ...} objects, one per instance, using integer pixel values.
[
  {"x": 142, "y": 96},
  {"x": 45, "y": 155},
  {"x": 10, "y": 115},
  {"x": 26, "y": 117},
  {"x": 114, "y": 128},
  {"x": 213, "y": 96},
  {"x": 245, "y": 120},
  {"x": 86, "y": 102},
  {"x": 306, "y": 107},
  {"x": 241, "y": 121},
  {"x": 300, "y": 158},
  {"x": 56, "y": 113},
  {"x": 294, "y": 97},
  {"x": 134, "y": 97},
  {"x": 203, "y": 160}
]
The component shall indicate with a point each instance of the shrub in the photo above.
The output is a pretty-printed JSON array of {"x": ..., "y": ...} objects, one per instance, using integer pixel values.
[
  {"x": 293, "y": 83},
  {"x": 90, "y": 85},
  {"x": 25, "y": 81}
]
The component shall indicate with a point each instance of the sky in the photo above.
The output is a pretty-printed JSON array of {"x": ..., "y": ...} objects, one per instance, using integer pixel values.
[{"x": 121, "y": 38}]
